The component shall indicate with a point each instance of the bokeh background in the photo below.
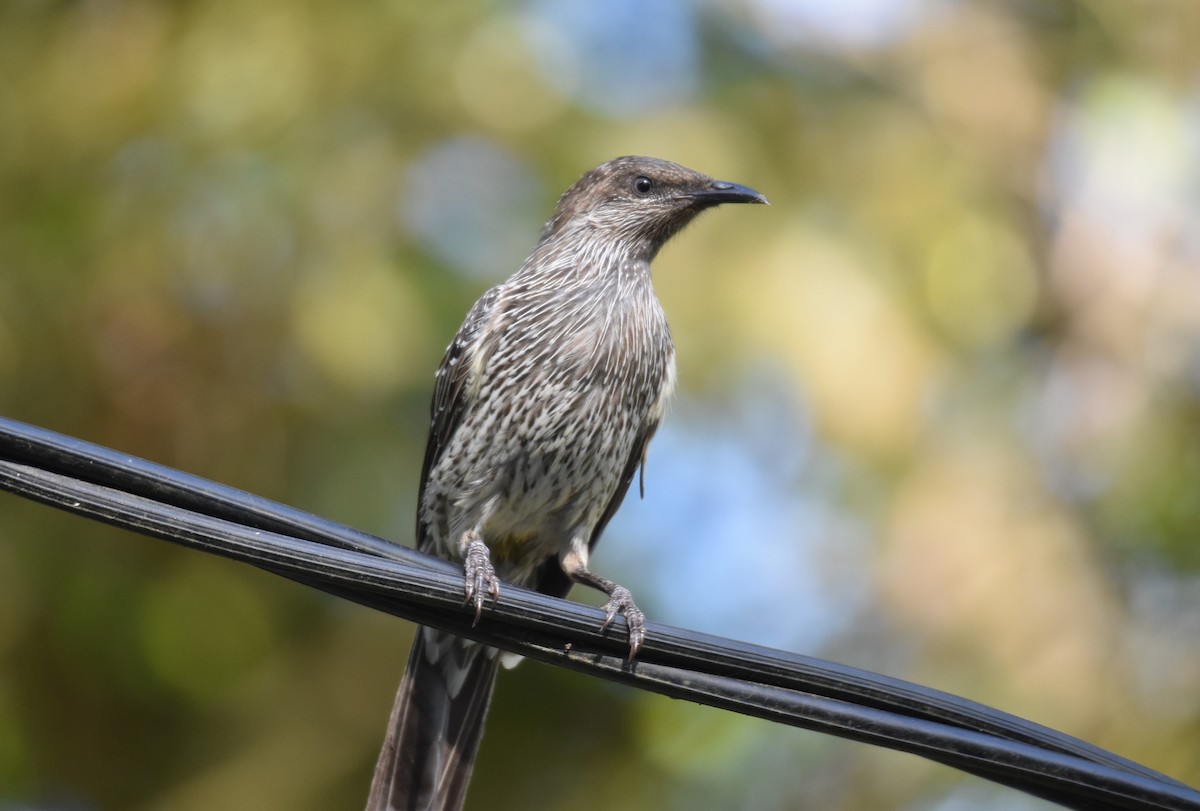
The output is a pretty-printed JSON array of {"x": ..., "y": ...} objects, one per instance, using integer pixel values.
[{"x": 939, "y": 407}]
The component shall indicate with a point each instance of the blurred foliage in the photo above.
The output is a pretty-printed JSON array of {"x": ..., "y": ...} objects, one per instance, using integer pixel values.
[{"x": 939, "y": 410}]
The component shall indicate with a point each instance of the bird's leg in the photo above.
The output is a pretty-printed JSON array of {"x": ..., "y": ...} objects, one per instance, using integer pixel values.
[
  {"x": 620, "y": 600},
  {"x": 478, "y": 570}
]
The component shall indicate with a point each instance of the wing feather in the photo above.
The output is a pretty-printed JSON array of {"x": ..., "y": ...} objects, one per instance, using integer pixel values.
[{"x": 451, "y": 395}]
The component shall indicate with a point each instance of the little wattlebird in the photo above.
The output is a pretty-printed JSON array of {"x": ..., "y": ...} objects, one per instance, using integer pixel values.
[{"x": 543, "y": 407}]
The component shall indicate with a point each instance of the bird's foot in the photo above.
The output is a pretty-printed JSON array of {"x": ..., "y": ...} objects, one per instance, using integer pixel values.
[
  {"x": 480, "y": 575},
  {"x": 620, "y": 601}
]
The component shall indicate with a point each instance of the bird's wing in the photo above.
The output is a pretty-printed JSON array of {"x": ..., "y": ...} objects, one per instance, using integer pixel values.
[
  {"x": 450, "y": 394},
  {"x": 637, "y": 458},
  {"x": 551, "y": 579}
]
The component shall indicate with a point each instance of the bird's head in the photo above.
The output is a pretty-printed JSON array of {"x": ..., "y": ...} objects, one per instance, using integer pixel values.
[{"x": 641, "y": 202}]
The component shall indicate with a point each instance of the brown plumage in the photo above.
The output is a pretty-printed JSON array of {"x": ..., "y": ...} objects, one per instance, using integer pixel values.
[{"x": 544, "y": 404}]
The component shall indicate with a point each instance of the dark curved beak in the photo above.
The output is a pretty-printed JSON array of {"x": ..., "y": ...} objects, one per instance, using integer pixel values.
[{"x": 720, "y": 191}]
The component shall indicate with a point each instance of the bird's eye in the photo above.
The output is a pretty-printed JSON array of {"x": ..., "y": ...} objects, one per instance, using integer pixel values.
[{"x": 642, "y": 185}]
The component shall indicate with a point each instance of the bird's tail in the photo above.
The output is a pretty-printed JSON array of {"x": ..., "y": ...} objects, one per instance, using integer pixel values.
[{"x": 436, "y": 725}]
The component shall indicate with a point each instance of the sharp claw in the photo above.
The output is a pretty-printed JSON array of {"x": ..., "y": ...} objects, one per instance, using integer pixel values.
[
  {"x": 636, "y": 621},
  {"x": 621, "y": 602},
  {"x": 480, "y": 577},
  {"x": 477, "y": 598}
]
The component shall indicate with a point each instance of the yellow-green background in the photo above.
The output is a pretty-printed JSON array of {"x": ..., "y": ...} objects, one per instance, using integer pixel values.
[{"x": 939, "y": 407}]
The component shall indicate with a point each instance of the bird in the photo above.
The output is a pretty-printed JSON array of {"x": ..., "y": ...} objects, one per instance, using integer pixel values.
[{"x": 543, "y": 407}]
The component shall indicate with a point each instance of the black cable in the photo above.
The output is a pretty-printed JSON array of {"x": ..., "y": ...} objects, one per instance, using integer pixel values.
[
  {"x": 750, "y": 679},
  {"x": 76, "y": 458}
]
